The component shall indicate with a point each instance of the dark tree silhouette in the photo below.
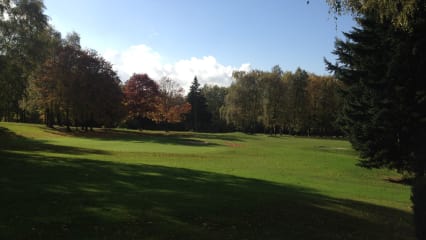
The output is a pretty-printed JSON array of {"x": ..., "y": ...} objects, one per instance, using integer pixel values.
[
  {"x": 199, "y": 117},
  {"x": 383, "y": 69}
]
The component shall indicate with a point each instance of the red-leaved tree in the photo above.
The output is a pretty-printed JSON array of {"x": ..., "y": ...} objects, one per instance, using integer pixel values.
[{"x": 141, "y": 96}]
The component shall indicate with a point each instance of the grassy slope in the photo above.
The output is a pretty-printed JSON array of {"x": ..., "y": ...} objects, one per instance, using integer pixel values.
[{"x": 128, "y": 185}]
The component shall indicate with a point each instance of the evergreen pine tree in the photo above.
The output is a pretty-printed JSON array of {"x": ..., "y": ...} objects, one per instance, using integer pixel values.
[
  {"x": 199, "y": 117},
  {"x": 384, "y": 94},
  {"x": 383, "y": 69}
]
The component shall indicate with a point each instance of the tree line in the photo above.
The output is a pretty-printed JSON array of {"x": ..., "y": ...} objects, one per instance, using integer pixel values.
[
  {"x": 274, "y": 102},
  {"x": 283, "y": 102},
  {"x": 48, "y": 78}
]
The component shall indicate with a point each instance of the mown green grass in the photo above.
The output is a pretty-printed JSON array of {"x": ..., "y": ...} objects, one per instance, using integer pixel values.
[{"x": 121, "y": 184}]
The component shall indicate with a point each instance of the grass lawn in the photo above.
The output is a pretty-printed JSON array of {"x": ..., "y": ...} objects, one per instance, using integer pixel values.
[{"x": 120, "y": 184}]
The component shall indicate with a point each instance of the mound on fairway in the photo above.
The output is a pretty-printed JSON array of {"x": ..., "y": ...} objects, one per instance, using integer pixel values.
[{"x": 119, "y": 184}]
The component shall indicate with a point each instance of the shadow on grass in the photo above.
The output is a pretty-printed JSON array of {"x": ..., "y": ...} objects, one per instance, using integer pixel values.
[
  {"x": 12, "y": 142},
  {"x": 338, "y": 150},
  {"x": 66, "y": 198},
  {"x": 408, "y": 181},
  {"x": 175, "y": 138},
  {"x": 219, "y": 136}
]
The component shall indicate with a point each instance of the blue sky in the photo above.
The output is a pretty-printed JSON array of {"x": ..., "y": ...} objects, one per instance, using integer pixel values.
[{"x": 207, "y": 38}]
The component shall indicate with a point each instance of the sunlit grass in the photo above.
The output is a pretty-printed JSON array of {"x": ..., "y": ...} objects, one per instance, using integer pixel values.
[{"x": 121, "y": 184}]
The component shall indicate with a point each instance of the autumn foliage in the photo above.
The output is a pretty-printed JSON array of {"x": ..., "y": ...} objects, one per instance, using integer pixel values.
[
  {"x": 171, "y": 105},
  {"x": 141, "y": 94},
  {"x": 77, "y": 87},
  {"x": 162, "y": 103}
]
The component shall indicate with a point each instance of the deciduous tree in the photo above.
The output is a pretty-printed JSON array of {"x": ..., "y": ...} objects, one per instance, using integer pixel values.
[
  {"x": 243, "y": 106},
  {"x": 400, "y": 13},
  {"x": 215, "y": 99},
  {"x": 324, "y": 105},
  {"x": 171, "y": 105},
  {"x": 78, "y": 86},
  {"x": 297, "y": 101},
  {"x": 23, "y": 31},
  {"x": 141, "y": 95},
  {"x": 273, "y": 99}
]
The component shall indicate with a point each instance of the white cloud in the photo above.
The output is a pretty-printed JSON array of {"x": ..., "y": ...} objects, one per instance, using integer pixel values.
[{"x": 143, "y": 59}]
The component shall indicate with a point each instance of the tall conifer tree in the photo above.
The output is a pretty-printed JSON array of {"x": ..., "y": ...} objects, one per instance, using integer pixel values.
[
  {"x": 383, "y": 71},
  {"x": 199, "y": 117}
]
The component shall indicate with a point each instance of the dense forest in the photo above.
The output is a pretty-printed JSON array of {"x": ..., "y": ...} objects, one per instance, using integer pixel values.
[{"x": 48, "y": 78}]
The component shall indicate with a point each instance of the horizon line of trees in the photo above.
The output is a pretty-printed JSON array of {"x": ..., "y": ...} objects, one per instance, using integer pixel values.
[
  {"x": 47, "y": 78},
  {"x": 298, "y": 103},
  {"x": 274, "y": 102}
]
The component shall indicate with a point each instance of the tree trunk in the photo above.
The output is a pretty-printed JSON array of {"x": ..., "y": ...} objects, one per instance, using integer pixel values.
[
  {"x": 67, "y": 119},
  {"x": 22, "y": 115},
  {"x": 165, "y": 127},
  {"x": 46, "y": 113},
  {"x": 91, "y": 122},
  {"x": 48, "y": 117}
]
